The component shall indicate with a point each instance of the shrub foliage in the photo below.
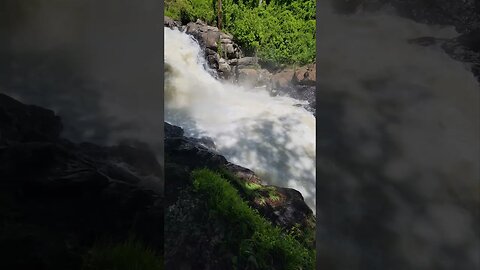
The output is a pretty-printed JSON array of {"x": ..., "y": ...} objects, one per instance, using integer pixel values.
[{"x": 282, "y": 31}]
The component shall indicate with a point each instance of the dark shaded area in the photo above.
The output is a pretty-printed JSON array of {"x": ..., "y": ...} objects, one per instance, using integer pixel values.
[
  {"x": 94, "y": 176},
  {"x": 364, "y": 213},
  {"x": 391, "y": 193},
  {"x": 58, "y": 198},
  {"x": 353, "y": 217},
  {"x": 95, "y": 63},
  {"x": 464, "y": 15}
]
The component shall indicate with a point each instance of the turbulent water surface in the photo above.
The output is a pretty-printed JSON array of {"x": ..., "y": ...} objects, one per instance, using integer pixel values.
[
  {"x": 270, "y": 135},
  {"x": 398, "y": 124}
]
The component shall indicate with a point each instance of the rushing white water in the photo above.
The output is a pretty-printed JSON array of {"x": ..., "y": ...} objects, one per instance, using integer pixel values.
[
  {"x": 269, "y": 135},
  {"x": 404, "y": 193}
]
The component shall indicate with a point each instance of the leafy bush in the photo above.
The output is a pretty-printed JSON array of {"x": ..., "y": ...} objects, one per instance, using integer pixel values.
[
  {"x": 258, "y": 242},
  {"x": 281, "y": 31},
  {"x": 129, "y": 255}
]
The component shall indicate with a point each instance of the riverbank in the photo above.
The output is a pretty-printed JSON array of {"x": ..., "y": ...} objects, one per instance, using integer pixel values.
[{"x": 228, "y": 62}]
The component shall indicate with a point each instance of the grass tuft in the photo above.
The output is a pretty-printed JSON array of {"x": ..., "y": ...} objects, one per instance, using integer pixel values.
[{"x": 259, "y": 243}]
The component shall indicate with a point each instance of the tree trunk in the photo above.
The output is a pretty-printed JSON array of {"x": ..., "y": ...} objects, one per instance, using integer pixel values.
[{"x": 219, "y": 18}]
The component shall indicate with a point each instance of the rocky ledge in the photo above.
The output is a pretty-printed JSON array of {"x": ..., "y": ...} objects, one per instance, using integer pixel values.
[
  {"x": 58, "y": 198},
  {"x": 283, "y": 207},
  {"x": 187, "y": 154}
]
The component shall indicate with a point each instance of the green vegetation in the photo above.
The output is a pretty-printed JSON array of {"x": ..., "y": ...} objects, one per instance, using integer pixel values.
[
  {"x": 280, "y": 31},
  {"x": 257, "y": 241},
  {"x": 129, "y": 255},
  {"x": 253, "y": 191}
]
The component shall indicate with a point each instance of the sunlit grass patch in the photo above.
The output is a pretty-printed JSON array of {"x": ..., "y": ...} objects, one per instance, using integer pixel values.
[{"x": 258, "y": 242}]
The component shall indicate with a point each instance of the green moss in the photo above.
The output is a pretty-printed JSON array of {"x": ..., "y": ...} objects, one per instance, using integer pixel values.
[
  {"x": 273, "y": 196},
  {"x": 219, "y": 49},
  {"x": 257, "y": 241},
  {"x": 252, "y": 186},
  {"x": 129, "y": 255}
]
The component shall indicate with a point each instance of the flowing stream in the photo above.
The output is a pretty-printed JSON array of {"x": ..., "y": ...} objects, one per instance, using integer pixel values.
[
  {"x": 273, "y": 136},
  {"x": 399, "y": 160}
]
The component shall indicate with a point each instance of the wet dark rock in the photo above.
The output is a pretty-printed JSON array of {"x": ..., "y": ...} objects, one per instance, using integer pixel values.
[
  {"x": 464, "y": 49},
  {"x": 63, "y": 196},
  {"x": 169, "y": 22},
  {"x": 219, "y": 47},
  {"x": 19, "y": 122},
  {"x": 172, "y": 131}
]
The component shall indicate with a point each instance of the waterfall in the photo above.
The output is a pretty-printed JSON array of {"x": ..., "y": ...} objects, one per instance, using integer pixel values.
[
  {"x": 272, "y": 136},
  {"x": 398, "y": 135}
]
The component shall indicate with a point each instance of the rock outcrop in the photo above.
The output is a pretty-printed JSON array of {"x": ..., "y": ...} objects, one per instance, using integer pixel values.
[
  {"x": 187, "y": 224},
  {"x": 223, "y": 55},
  {"x": 299, "y": 83},
  {"x": 58, "y": 198},
  {"x": 221, "y": 52},
  {"x": 190, "y": 154}
]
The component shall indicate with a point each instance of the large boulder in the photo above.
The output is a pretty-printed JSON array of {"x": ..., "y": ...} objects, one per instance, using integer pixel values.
[
  {"x": 252, "y": 76},
  {"x": 305, "y": 75},
  {"x": 282, "y": 79},
  {"x": 299, "y": 83}
]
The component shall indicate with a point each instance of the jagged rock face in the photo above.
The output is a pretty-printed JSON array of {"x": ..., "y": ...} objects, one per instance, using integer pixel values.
[
  {"x": 220, "y": 50},
  {"x": 60, "y": 197},
  {"x": 185, "y": 154},
  {"x": 27, "y": 123}
]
